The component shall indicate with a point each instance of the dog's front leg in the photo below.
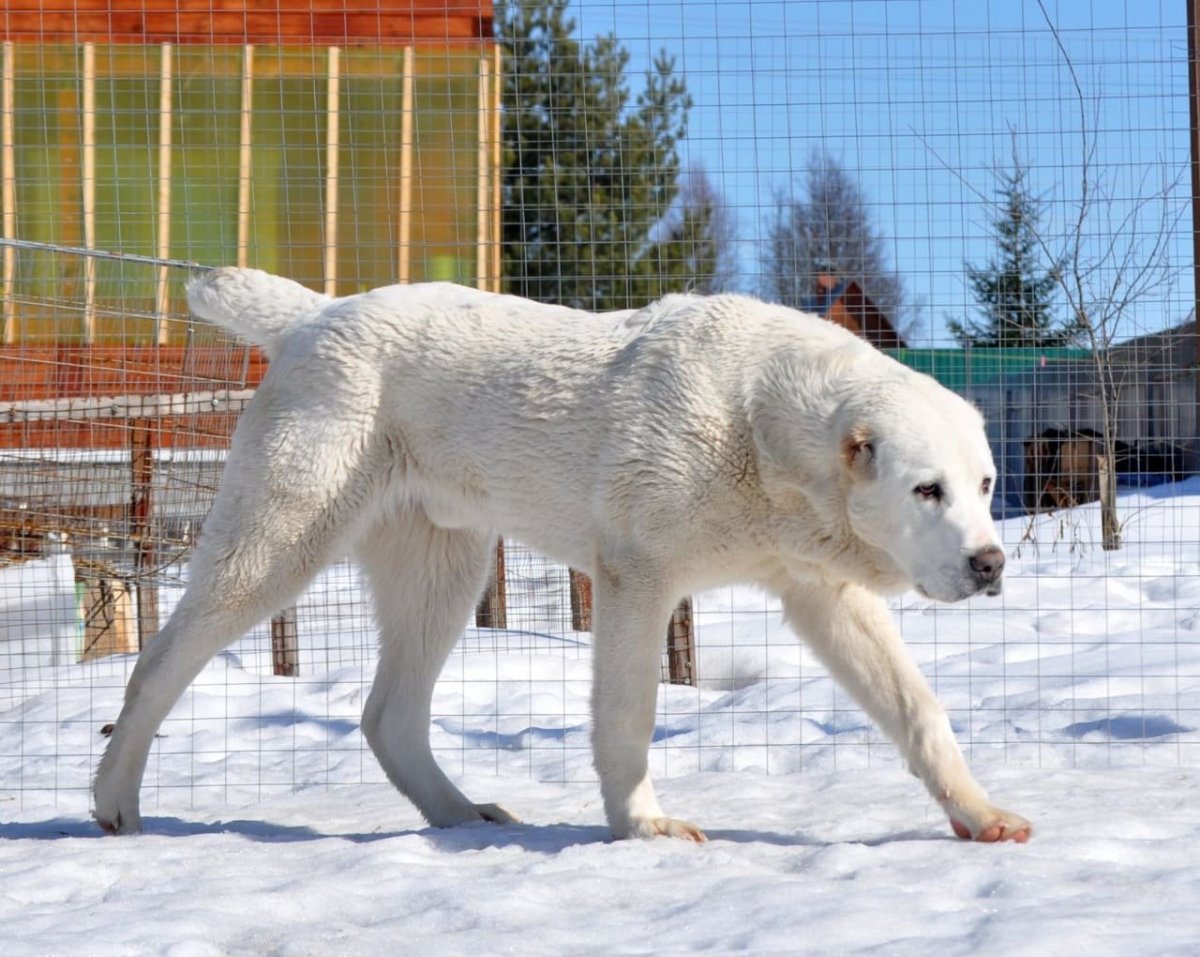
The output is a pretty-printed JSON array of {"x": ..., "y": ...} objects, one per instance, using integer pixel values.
[
  {"x": 852, "y": 632},
  {"x": 631, "y": 619}
]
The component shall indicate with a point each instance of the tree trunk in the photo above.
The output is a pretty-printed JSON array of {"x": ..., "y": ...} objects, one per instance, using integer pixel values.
[{"x": 1110, "y": 526}]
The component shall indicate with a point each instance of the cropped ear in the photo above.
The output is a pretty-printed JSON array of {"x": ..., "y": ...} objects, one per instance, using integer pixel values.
[
  {"x": 858, "y": 452},
  {"x": 779, "y": 452},
  {"x": 789, "y": 412}
]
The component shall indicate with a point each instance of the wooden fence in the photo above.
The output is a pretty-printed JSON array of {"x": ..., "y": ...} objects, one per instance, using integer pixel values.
[{"x": 135, "y": 405}]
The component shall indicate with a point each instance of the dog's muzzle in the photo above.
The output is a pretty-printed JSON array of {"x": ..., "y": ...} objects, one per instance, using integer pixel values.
[{"x": 987, "y": 567}]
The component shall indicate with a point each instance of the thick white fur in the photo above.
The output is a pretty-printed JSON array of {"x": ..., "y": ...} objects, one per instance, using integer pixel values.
[{"x": 693, "y": 443}]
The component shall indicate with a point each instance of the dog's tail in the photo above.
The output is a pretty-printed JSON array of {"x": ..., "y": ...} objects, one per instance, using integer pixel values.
[{"x": 254, "y": 304}]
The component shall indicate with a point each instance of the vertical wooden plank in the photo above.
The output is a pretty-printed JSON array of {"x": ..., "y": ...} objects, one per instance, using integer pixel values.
[
  {"x": 141, "y": 527},
  {"x": 497, "y": 174},
  {"x": 109, "y": 624},
  {"x": 332, "y": 132},
  {"x": 581, "y": 601},
  {"x": 8, "y": 193},
  {"x": 245, "y": 132},
  {"x": 681, "y": 646},
  {"x": 404, "y": 224},
  {"x": 285, "y": 644},
  {"x": 492, "y": 611},
  {"x": 89, "y": 191},
  {"x": 163, "y": 244}
]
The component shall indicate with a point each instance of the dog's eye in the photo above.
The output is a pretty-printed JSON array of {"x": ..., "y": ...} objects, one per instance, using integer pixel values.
[
  {"x": 929, "y": 490},
  {"x": 986, "y": 487}
]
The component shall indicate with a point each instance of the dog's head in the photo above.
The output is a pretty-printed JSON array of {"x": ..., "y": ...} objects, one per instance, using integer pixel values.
[{"x": 905, "y": 468}]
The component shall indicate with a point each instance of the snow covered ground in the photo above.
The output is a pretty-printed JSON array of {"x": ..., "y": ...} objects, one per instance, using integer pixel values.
[{"x": 270, "y": 829}]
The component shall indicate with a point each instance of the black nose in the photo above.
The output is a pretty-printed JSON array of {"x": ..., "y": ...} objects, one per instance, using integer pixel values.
[{"x": 988, "y": 563}]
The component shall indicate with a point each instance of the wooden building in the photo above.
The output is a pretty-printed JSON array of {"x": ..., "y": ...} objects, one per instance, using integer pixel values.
[
  {"x": 344, "y": 143},
  {"x": 844, "y": 302}
]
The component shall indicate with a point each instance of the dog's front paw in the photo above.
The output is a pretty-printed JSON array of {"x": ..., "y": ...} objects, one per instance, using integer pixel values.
[
  {"x": 495, "y": 814},
  {"x": 116, "y": 807},
  {"x": 646, "y": 827},
  {"x": 991, "y": 825},
  {"x": 115, "y": 816}
]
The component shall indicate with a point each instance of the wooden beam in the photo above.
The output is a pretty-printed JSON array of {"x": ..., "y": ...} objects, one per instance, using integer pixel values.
[
  {"x": 88, "y": 80},
  {"x": 238, "y": 22},
  {"x": 8, "y": 193},
  {"x": 332, "y": 125},
  {"x": 163, "y": 250},
  {"x": 245, "y": 132},
  {"x": 124, "y": 407},
  {"x": 497, "y": 171},
  {"x": 404, "y": 225}
]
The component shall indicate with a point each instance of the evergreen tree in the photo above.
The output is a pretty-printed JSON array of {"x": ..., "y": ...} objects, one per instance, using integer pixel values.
[
  {"x": 590, "y": 172},
  {"x": 828, "y": 231},
  {"x": 1015, "y": 294}
]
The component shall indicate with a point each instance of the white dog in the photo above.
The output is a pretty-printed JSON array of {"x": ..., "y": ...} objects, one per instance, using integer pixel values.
[{"x": 693, "y": 443}]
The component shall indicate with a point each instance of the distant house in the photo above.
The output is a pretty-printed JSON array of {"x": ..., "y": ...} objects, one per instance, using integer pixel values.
[{"x": 843, "y": 301}]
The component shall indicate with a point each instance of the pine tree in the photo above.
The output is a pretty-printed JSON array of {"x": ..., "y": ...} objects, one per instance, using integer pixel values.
[
  {"x": 1015, "y": 294},
  {"x": 828, "y": 231},
  {"x": 590, "y": 171}
]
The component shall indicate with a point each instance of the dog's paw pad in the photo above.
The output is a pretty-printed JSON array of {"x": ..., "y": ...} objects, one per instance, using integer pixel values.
[
  {"x": 1011, "y": 828},
  {"x": 495, "y": 814},
  {"x": 648, "y": 827}
]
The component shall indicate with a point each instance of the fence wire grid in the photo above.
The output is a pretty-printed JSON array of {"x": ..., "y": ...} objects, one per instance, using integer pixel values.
[{"x": 998, "y": 194}]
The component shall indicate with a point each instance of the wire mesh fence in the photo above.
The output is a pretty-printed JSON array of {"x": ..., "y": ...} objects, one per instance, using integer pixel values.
[{"x": 999, "y": 195}]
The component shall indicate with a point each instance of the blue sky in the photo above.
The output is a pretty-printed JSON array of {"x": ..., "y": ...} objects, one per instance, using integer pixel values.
[{"x": 917, "y": 98}]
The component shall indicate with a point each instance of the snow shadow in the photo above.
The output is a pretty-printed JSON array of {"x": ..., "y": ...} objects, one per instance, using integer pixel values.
[{"x": 1127, "y": 727}]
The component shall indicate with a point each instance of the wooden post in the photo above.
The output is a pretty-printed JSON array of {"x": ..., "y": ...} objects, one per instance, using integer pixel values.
[
  {"x": 109, "y": 624},
  {"x": 581, "y": 601},
  {"x": 163, "y": 239},
  {"x": 141, "y": 527},
  {"x": 681, "y": 646},
  {"x": 8, "y": 193},
  {"x": 497, "y": 174},
  {"x": 483, "y": 195},
  {"x": 89, "y": 192},
  {"x": 404, "y": 224},
  {"x": 245, "y": 166},
  {"x": 285, "y": 644},
  {"x": 492, "y": 611},
  {"x": 332, "y": 127}
]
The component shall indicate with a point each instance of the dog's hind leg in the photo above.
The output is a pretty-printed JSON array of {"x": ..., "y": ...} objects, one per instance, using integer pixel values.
[
  {"x": 275, "y": 523},
  {"x": 631, "y": 617},
  {"x": 425, "y": 581}
]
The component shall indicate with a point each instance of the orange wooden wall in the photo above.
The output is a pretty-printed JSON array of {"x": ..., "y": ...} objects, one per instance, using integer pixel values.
[
  {"x": 30, "y": 373},
  {"x": 298, "y": 22}
]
